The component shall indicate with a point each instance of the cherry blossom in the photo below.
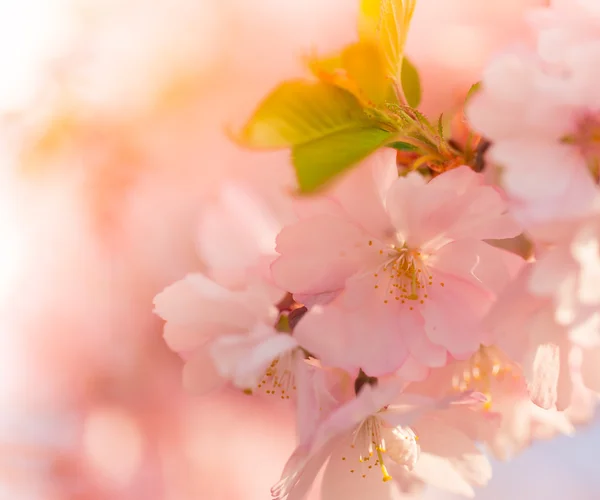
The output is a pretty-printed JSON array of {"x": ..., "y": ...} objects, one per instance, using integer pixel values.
[
  {"x": 231, "y": 329},
  {"x": 509, "y": 420},
  {"x": 382, "y": 442},
  {"x": 422, "y": 309},
  {"x": 539, "y": 107},
  {"x": 410, "y": 267}
]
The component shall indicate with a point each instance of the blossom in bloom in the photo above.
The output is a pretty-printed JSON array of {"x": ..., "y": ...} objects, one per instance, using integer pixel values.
[
  {"x": 509, "y": 420},
  {"x": 401, "y": 265},
  {"x": 227, "y": 334},
  {"x": 227, "y": 326},
  {"x": 567, "y": 271},
  {"x": 558, "y": 362},
  {"x": 539, "y": 107},
  {"x": 381, "y": 442},
  {"x": 555, "y": 304},
  {"x": 527, "y": 332}
]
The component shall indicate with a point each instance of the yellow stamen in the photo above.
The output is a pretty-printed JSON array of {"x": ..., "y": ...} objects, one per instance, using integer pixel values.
[{"x": 386, "y": 476}]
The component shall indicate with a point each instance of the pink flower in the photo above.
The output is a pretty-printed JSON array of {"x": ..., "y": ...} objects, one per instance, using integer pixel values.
[
  {"x": 527, "y": 332},
  {"x": 568, "y": 273},
  {"x": 320, "y": 390},
  {"x": 509, "y": 420},
  {"x": 540, "y": 108},
  {"x": 381, "y": 442},
  {"x": 404, "y": 261},
  {"x": 227, "y": 327},
  {"x": 228, "y": 335}
]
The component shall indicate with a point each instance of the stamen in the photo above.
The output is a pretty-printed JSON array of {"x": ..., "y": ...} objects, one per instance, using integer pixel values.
[
  {"x": 279, "y": 377},
  {"x": 486, "y": 367},
  {"x": 386, "y": 476},
  {"x": 404, "y": 274}
]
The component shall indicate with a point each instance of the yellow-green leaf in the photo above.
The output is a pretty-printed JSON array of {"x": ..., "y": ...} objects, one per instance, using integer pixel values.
[
  {"x": 364, "y": 65},
  {"x": 387, "y": 21},
  {"x": 319, "y": 161},
  {"x": 402, "y": 146},
  {"x": 369, "y": 19},
  {"x": 301, "y": 111},
  {"x": 324, "y": 65},
  {"x": 476, "y": 87},
  {"x": 359, "y": 69},
  {"x": 411, "y": 83}
]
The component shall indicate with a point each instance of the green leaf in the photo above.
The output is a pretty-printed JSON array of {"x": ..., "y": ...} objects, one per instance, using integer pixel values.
[
  {"x": 301, "y": 111},
  {"x": 319, "y": 161},
  {"x": 411, "y": 83},
  {"x": 476, "y": 87},
  {"x": 402, "y": 146}
]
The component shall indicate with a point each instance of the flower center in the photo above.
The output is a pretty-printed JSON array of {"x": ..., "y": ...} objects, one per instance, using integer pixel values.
[
  {"x": 374, "y": 442},
  {"x": 480, "y": 373},
  {"x": 403, "y": 276},
  {"x": 586, "y": 139},
  {"x": 279, "y": 377}
]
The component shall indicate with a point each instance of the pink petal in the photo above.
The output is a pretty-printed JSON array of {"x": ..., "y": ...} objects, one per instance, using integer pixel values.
[
  {"x": 299, "y": 474},
  {"x": 197, "y": 300},
  {"x": 235, "y": 232},
  {"x": 453, "y": 205},
  {"x": 369, "y": 338},
  {"x": 511, "y": 315},
  {"x": 475, "y": 211},
  {"x": 479, "y": 263},
  {"x": 483, "y": 214},
  {"x": 459, "y": 180},
  {"x": 590, "y": 370},
  {"x": 550, "y": 270},
  {"x": 243, "y": 359},
  {"x": 408, "y": 408},
  {"x": 494, "y": 117},
  {"x": 452, "y": 314},
  {"x": 585, "y": 248},
  {"x": 200, "y": 376},
  {"x": 536, "y": 169},
  {"x": 341, "y": 484},
  {"x": 369, "y": 401},
  {"x": 362, "y": 192},
  {"x": 307, "y": 401},
  {"x": 550, "y": 385},
  {"x": 412, "y": 370},
  {"x": 310, "y": 300},
  {"x": 262, "y": 355},
  {"x": 409, "y": 204},
  {"x": 422, "y": 350},
  {"x": 318, "y": 254},
  {"x": 449, "y": 459}
]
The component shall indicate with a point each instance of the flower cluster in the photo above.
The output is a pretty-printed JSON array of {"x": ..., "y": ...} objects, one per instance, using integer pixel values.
[{"x": 439, "y": 295}]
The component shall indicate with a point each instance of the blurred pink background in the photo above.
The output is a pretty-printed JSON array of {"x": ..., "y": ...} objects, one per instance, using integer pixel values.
[{"x": 112, "y": 117}]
